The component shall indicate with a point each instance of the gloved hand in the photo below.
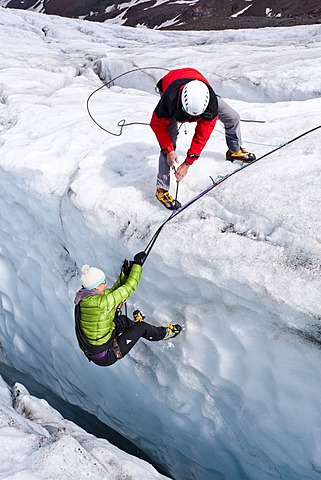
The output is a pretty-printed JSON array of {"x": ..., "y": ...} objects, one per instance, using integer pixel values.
[
  {"x": 126, "y": 268},
  {"x": 140, "y": 258}
]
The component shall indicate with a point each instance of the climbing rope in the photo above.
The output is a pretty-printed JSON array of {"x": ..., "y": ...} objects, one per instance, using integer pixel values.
[
  {"x": 247, "y": 141},
  {"x": 122, "y": 123},
  {"x": 214, "y": 184}
]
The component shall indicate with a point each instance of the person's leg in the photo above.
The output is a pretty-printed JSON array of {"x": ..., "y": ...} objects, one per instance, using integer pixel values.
[
  {"x": 128, "y": 339},
  {"x": 231, "y": 120},
  {"x": 122, "y": 323},
  {"x": 163, "y": 175},
  {"x": 107, "y": 360}
]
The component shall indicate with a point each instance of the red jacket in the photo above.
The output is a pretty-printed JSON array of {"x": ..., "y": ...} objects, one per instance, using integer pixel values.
[{"x": 170, "y": 106}]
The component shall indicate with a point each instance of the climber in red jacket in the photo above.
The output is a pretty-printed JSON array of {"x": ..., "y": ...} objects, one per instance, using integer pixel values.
[{"x": 186, "y": 96}]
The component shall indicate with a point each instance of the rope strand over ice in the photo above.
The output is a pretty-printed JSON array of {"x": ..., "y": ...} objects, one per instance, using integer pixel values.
[
  {"x": 122, "y": 123},
  {"x": 214, "y": 184}
]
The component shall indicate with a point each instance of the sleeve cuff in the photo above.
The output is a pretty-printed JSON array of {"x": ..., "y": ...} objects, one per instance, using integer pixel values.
[
  {"x": 190, "y": 159},
  {"x": 167, "y": 150}
]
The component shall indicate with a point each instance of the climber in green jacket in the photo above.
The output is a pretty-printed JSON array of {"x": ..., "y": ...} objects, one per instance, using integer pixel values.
[{"x": 103, "y": 333}]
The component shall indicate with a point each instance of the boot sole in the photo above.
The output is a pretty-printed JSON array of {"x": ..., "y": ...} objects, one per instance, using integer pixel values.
[
  {"x": 170, "y": 207},
  {"x": 244, "y": 160}
]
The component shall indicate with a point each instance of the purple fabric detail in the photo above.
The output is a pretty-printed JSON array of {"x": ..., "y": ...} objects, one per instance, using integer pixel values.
[
  {"x": 83, "y": 293},
  {"x": 99, "y": 355}
]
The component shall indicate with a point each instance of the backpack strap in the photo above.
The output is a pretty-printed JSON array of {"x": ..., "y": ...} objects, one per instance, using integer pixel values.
[{"x": 83, "y": 342}]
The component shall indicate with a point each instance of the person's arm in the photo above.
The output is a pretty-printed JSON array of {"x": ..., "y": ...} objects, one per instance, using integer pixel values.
[
  {"x": 120, "y": 294},
  {"x": 119, "y": 282},
  {"x": 159, "y": 127},
  {"x": 203, "y": 131}
]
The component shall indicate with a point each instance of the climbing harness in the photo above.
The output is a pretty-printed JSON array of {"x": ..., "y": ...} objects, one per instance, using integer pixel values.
[
  {"x": 120, "y": 307},
  {"x": 214, "y": 184},
  {"x": 116, "y": 349}
]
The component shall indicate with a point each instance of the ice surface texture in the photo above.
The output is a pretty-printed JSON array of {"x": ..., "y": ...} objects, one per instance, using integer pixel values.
[{"x": 237, "y": 395}]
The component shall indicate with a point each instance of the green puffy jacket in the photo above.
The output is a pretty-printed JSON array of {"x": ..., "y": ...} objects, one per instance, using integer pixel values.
[{"x": 97, "y": 312}]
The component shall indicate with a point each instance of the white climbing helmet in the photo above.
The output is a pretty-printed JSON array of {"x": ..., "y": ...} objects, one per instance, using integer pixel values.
[{"x": 195, "y": 98}]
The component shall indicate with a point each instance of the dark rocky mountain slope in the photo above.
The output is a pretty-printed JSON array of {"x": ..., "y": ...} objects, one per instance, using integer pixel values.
[{"x": 181, "y": 14}]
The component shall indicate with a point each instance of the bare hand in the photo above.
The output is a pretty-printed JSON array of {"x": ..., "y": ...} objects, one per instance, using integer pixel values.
[
  {"x": 172, "y": 158},
  {"x": 181, "y": 172}
]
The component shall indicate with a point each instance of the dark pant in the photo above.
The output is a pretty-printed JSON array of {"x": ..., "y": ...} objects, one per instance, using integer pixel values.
[{"x": 128, "y": 334}]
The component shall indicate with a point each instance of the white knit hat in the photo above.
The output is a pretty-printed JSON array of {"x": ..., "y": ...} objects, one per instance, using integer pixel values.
[{"x": 91, "y": 277}]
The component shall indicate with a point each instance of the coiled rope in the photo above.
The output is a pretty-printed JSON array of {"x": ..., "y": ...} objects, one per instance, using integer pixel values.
[{"x": 122, "y": 123}]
